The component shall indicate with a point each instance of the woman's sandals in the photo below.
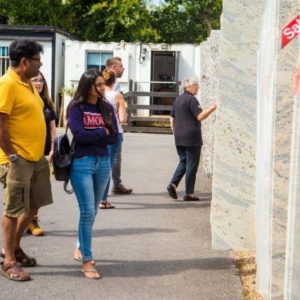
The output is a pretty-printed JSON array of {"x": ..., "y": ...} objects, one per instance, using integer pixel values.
[
  {"x": 90, "y": 273},
  {"x": 105, "y": 205},
  {"x": 78, "y": 257}
]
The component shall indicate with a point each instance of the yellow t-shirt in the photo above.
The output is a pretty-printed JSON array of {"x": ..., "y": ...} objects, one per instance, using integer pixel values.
[{"x": 26, "y": 122}]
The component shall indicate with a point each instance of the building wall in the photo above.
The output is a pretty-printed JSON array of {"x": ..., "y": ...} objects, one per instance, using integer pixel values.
[
  {"x": 46, "y": 68},
  {"x": 75, "y": 62},
  {"x": 59, "y": 63},
  {"x": 46, "y": 59}
]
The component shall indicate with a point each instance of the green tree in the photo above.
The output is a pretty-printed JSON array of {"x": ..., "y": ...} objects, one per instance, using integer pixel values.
[
  {"x": 182, "y": 21},
  {"x": 29, "y": 12},
  {"x": 112, "y": 20},
  {"x": 187, "y": 21}
]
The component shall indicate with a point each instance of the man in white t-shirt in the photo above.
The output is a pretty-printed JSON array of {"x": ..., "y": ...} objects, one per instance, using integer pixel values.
[{"x": 115, "y": 65}]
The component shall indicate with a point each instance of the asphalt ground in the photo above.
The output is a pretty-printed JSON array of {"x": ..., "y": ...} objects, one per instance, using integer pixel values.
[{"x": 148, "y": 247}]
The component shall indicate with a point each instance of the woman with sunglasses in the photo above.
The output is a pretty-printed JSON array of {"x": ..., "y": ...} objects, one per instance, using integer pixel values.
[
  {"x": 93, "y": 124},
  {"x": 41, "y": 86}
]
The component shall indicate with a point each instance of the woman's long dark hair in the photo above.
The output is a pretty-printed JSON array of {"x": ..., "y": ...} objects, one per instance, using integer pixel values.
[
  {"x": 81, "y": 96},
  {"x": 45, "y": 93}
]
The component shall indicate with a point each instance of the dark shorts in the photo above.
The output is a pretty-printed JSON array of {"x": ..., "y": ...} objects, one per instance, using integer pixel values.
[{"x": 26, "y": 185}]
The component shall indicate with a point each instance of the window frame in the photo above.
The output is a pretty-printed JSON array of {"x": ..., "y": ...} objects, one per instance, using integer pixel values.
[
  {"x": 4, "y": 60},
  {"x": 100, "y": 52}
]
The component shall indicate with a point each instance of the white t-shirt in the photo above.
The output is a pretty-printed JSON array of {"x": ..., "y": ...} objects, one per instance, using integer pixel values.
[
  {"x": 117, "y": 87},
  {"x": 110, "y": 96}
]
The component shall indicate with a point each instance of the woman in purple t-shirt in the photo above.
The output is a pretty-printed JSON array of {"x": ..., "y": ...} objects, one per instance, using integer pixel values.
[{"x": 93, "y": 125}]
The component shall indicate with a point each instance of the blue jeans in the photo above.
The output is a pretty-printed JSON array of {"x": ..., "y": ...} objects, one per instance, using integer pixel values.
[
  {"x": 112, "y": 150},
  {"x": 89, "y": 176},
  {"x": 189, "y": 158}
]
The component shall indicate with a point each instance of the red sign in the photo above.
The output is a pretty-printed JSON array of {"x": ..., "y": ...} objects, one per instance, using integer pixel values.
[{"x": 290, "y": 31}]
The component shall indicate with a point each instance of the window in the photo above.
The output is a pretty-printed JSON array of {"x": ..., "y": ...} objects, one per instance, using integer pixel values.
[
  {"x": 4, "y": 60},
  {"x": 97, "y": 60}
]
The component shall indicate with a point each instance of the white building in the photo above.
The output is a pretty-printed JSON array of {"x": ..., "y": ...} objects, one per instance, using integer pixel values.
[
  {"x": 65, "y": 59},
  {"x": 53, "y": 41},
  {"x": 144, "y": 63}
]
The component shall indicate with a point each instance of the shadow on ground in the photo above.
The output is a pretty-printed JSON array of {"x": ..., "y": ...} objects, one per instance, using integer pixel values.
[
  {"x": 112, "y": 232},
  {"x": 127, "y": 268}
]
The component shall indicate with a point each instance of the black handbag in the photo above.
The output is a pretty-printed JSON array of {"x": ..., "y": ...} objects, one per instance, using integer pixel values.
[{"x": 62, "y": 159}]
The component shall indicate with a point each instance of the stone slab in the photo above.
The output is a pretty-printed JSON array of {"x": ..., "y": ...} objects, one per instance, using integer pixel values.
[
  {"x": 233, "y": 202},
  {"x": 277, "y": 132},
  {"x": 209, "y": 94},
  {"x": 283, "y": 126}
]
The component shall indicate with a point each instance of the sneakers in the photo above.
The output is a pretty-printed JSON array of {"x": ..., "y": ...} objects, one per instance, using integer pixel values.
[
  {"x": 172, "y": 191},
  {"x": 122, "y": 190},
  {"x": 34, "y": 228}
]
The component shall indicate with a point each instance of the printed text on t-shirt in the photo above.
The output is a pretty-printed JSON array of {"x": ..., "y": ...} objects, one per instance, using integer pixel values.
[{"x": 92, "y": 120}]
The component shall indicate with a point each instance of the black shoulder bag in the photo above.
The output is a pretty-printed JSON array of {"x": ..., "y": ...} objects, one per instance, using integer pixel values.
[{"x": 62, "y": 159}]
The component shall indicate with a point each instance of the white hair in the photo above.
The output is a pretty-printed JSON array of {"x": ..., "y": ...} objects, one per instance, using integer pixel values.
[{"x": 187, "y": 82}]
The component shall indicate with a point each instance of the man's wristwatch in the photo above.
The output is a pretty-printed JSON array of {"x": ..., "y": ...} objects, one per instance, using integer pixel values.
[{"x": 13, "y": 157}]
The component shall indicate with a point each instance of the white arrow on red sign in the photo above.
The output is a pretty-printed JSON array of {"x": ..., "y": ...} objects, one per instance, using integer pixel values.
[{"x": 290, "y": 31}]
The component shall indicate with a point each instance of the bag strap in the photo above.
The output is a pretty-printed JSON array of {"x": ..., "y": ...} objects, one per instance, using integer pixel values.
[
  {"x": 68, "y": 191},
  {"x": 67, "y": 128}
]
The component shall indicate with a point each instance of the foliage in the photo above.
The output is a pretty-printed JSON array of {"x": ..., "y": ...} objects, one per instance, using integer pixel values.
[
  {"x": 69, "y": 91},
  {"x": 30, "y": 12},
  {"x": 187, "y": 21},
  {"x": 182, "y": 21},
  {"x": 111, "y": 20}
]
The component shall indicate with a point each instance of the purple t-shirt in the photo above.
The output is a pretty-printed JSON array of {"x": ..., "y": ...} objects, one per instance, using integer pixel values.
[
  {"x": 187, "y": 129},
  {"x": 87, "y": 126}
]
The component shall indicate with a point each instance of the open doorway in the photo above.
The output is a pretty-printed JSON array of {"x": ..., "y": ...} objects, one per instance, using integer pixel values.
[{"x": 164, "y": 73}]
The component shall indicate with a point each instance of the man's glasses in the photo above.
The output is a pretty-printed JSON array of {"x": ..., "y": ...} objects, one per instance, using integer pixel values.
[{"x": 35, "y": 59}]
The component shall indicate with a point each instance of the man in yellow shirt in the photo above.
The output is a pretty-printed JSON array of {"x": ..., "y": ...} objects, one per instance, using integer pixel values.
[{"x": 24, "y": 171}]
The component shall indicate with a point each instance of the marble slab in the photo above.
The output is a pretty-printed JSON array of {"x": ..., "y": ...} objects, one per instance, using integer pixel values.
[
  {"x": 277, "y": 157},
  {"x": 256, "y": 201},
  {"x": 292, "y": 265},
  {"x": 266, "y": 93},
  {"x": 233, "y": 188},
  {"x": 208, "y": 94},
  {"x": 287, "y": 61}
]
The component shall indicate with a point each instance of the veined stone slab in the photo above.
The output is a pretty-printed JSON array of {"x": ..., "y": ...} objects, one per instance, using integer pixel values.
[
  {"x": 233, "y": 200},
  {"x": 292, "y": 267},
  {"x": 275, "y": 169},
  {"x": 266, "y": 86},
  {"x": 283, "y": 126},
  {"x": 209, "y": 94}
]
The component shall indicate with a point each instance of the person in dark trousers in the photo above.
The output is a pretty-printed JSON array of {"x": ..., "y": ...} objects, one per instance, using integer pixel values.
[
  {"x": 41, "y": 86},
  {"x": 186, "y": 118},
  {"x": 118, "y": 103},
  {"x": 115, "y": 65}
]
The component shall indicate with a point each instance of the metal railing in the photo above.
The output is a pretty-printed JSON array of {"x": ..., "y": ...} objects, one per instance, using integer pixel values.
[{"x": 157, "y": 112}]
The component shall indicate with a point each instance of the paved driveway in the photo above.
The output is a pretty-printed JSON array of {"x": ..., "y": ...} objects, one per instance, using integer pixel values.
[{"x": 149, "y": 247}]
